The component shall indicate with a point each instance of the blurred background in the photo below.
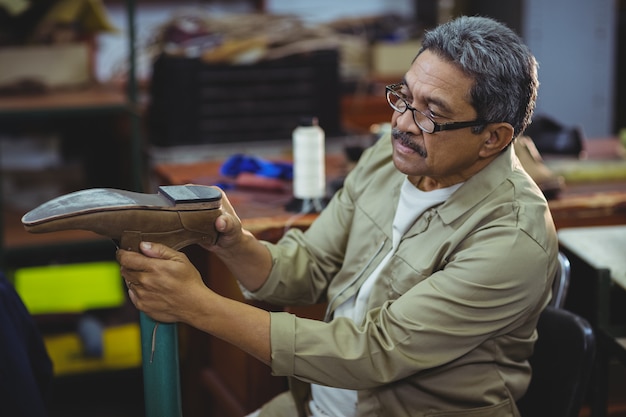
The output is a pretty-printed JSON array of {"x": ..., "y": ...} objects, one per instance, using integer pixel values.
[{"x": 133, "y": 94}]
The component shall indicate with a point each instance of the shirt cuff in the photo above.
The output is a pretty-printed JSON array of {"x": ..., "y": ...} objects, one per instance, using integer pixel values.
[{"x": 282, "y": 339}]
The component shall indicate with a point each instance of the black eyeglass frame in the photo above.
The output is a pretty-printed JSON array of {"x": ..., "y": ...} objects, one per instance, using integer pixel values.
[{"x": 437, "y": 127}]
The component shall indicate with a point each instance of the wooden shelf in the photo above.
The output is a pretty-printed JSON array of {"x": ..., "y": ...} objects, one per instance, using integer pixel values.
[
  {"x": 95, "y": 100},
  {"x": 100, "y": 98}
]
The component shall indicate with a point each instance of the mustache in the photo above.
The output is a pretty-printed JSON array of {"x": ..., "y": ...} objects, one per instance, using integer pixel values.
[{"x": 405, "y": 138}]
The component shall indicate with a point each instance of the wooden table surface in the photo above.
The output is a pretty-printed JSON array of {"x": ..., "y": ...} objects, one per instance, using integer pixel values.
[{"x": 581, "y": 203}]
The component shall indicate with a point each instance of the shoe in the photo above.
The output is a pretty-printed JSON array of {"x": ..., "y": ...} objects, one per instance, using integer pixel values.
[
  {"x": 552, "y": 137},
  {"x": 177, "y": 216},
  {"x": 550, "y": 184}
]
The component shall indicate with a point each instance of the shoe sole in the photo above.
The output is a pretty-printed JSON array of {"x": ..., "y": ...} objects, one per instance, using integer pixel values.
[{"x": 177, "y": 216}]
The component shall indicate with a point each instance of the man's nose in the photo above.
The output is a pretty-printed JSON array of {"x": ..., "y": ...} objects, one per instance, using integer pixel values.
[{"x": 405, "y": 122}]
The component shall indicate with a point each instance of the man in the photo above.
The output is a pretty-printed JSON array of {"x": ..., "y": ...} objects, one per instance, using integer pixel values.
[{"x": 435, "y": 259}]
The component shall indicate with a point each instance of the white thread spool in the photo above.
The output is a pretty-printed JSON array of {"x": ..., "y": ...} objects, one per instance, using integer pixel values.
[{"x": 309, "y": 169}]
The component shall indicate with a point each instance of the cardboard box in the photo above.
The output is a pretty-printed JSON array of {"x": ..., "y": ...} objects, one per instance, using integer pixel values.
[
  {"x": 55, "y": 66},
  {"x": 392, "y": 59}
]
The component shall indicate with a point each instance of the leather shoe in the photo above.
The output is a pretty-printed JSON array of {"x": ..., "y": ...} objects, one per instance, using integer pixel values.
[
  {"x": 177, "y": 216},
  {"x": 549, "y": 183}
]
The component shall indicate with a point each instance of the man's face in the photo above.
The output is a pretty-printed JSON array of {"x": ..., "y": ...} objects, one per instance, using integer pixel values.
[{"x": 440, "y": 90}]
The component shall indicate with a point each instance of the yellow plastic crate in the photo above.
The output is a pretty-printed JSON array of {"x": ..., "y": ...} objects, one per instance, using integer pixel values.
[
  {"x": 70, "y": 288},
  {"x": 121, "y": 350}
]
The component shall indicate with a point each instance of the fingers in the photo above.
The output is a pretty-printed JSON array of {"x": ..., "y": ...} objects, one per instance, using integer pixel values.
[
  {"x": 142, "y": 275},
  {"x": 150, "y": 251},
  {"x": 131, "y": 294},
  {"x": 230, "y": 232},
  {"x": 229, "y": 219},
  {"x": 160, "y": 281},
  {"x": 157, "y": 266},
  {"x": 221, "y": 224},
  {"x": 157, "y": 250},
  {"x": 226, "y": 206},
  {"x": 134, "y": 266}
]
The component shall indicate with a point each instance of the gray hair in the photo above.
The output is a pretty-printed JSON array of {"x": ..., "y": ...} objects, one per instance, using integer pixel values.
[{"x": 503, "y": 68}]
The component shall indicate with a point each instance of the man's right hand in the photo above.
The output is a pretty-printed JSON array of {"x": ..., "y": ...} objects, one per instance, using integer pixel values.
[
  {"x": 246, "y": 258},
  {"x": 229, "y": 227}
]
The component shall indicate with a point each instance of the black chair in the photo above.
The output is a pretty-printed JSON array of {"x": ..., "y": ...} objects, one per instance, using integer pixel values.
[
  {"x": 561, "y": 281},
  {"x": 562, "y": 363}
]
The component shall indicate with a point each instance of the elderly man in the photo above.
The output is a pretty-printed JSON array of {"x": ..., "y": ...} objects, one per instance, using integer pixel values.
[{"x": 435, "y": 259}]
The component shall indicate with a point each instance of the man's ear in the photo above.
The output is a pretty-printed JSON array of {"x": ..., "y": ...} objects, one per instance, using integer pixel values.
[{"x": 497, "y": 136}]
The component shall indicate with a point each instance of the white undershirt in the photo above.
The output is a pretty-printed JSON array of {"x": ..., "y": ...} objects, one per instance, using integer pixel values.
[{"x": 337, "y": 402}]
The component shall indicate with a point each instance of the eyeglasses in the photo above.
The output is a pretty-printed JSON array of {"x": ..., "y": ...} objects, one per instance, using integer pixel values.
[{"x": 399, "y": 103}]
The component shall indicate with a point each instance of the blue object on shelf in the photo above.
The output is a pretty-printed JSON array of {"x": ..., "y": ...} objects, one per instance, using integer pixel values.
[{"x": 239, "y": 163}]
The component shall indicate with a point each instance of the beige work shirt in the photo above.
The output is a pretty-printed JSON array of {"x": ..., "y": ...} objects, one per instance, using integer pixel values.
[{"x": 451, "y": 319}]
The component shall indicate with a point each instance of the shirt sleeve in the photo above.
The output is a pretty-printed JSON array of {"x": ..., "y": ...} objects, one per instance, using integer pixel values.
[
  {"x": 482, "y": 301},
  {"x": 304, "y": 263}
]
